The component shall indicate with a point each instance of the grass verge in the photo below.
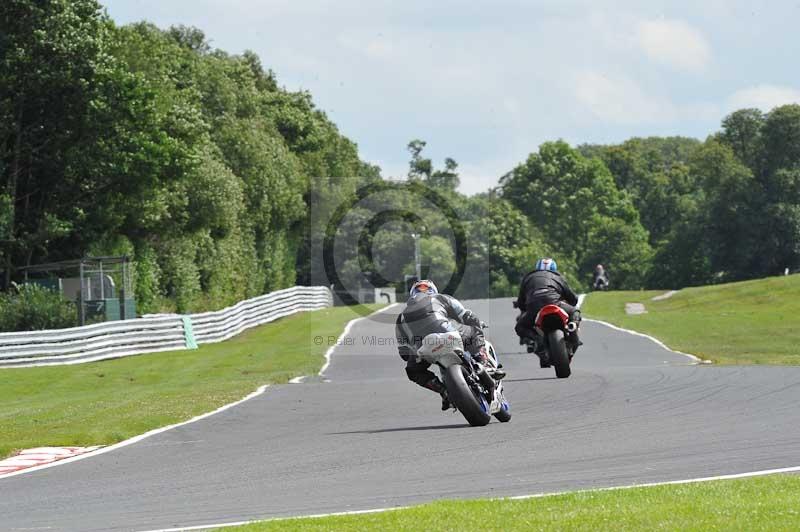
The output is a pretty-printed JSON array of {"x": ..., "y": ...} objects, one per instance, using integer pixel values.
[
  {"x": 752, "y": 322},
  {"x": 761, "y": 503},
  {"x": 101, "y": 403}
]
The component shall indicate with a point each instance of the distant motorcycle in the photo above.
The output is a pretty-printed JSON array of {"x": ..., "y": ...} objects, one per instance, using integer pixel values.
[
  {"x": 552, "y": 326},
  {"x": 601, "y": 283},
  {"x": 470, "y": 386}
]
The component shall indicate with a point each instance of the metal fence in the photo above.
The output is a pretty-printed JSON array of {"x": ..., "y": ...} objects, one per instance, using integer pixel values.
[{"x": 154, "y": 333}]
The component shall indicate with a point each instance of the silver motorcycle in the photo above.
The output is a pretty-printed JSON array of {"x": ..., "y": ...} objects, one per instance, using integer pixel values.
[{"x": 470, "y": 385}]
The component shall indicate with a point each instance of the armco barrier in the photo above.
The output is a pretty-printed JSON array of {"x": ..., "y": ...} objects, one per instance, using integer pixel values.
[{"x": 154, "y": 333}]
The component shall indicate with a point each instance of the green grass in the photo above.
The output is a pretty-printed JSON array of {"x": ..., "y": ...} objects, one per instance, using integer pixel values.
[
  {"x": 762, "y": 503},
  {"x": 752, "y": 322},
  {"x": 105, "y": 402}
]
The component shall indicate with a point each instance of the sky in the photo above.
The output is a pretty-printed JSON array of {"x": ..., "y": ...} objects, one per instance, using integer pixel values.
[{"x": 486, "y": 82}]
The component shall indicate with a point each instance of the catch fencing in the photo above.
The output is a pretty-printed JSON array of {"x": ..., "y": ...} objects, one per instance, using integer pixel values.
[{"x": 154, "y": 333}]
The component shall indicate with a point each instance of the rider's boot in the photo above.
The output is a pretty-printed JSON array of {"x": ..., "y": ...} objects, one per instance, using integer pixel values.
[
  {"x": 530, "y": 344},
  {"x": 483, "y": 357},
  {"x": 541, "y": 352},
  {"x": 576, "y": 318},
  {"x": 575, "y": 339},
  {"x": 445, "y": 401},
  {"x": 438, "y": 386}
]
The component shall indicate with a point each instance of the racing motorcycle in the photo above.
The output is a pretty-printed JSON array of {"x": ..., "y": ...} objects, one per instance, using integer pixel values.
[
  {"x": 552, "y": 326},
  {"x": 470, "y": 385},
  {"x": 601, "y": 283}
]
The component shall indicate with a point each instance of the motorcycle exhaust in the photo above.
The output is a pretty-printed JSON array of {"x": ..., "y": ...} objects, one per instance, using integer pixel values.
[{"x": 572, "y": 327}]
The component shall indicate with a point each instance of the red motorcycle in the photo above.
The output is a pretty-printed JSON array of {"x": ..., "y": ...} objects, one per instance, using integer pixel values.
[
  {"x": 551, "y": 344},
  {"x": 552, "y": 327}
]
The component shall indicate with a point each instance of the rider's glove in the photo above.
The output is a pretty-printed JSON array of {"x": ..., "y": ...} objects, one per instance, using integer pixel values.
[{"x": 469, "y": 318}]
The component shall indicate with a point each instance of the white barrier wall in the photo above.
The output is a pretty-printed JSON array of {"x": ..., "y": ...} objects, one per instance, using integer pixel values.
[{"x": 154, "y": 333}]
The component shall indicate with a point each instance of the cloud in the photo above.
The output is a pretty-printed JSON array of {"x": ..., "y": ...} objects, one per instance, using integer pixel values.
[
  {"x": 764, "y": 97},
  {"x": 617, "y": 99},
  {"x": 487, "y": 83},
  {"x": 674, "y": 43},
  {"x": 380, "y": 49},
  {"x": 621, "y": 100}
]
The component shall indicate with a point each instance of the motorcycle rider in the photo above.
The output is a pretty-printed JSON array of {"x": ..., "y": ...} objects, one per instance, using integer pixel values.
[
  {"x": 540, "y": 287},
  {"x": 600, "y": 277},
  {"x": 426, "y": 312}
]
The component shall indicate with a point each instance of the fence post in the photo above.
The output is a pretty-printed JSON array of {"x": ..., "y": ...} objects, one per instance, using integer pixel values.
[
  {"x": 188, "y": 333},
  {"x": 82, "y": 299}
]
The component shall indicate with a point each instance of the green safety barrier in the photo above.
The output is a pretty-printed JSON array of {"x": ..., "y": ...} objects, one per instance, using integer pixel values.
[{"x": 188, "y": 333}]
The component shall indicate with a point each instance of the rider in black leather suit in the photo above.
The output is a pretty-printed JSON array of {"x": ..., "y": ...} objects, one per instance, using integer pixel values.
[{"x": 540, "y": 287}]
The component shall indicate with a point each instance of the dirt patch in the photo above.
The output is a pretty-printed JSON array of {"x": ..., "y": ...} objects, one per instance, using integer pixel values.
[{"x": 635, "y": 308}]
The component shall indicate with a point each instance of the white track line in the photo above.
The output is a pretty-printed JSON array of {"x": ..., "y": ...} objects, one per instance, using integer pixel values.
[
  {"x": 656, "y": 340},
  {"x": 764, "y": 472},
  {"x": 514, "y": 498},
  {"x": 314, "y": 516},
  {"x": 153, "y": 432},
  {"x": 346, "y": 331},
  {"x": 138, "y": 438}
]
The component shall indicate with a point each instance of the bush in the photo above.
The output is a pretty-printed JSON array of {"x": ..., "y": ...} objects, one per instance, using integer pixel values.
[{"x": 35, "y": 308}]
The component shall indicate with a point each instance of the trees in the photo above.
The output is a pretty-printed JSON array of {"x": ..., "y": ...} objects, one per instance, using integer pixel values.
[
  {"x": 766, "y": 206},
  {"x": 46, "y": 85},
  {"x": 221, "y": 184},
  {"x": 79, "y": 137},
  {"x": 261, "y": 157},
  {"x": 654, "y": 171},
  {"x": 503, "y": 245},
  {"x": 148, "y": 142},
  {"x": 421, "y": 169},
  {"x": 580, "y": 210},
  {"x": 726, "y": 212},
  {"x": 780, "y": 188},
  {"x": 741, "y": 130}
]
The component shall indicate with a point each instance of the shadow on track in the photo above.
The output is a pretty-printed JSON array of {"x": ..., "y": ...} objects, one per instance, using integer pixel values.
[
  {"x": 403, "y": 429},
  {"x": 531, "y": 379}
]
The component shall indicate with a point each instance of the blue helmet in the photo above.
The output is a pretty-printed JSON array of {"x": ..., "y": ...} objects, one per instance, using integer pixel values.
[
  {"x": 547, "y": 264},
  {"x": 423, "y": 286}
]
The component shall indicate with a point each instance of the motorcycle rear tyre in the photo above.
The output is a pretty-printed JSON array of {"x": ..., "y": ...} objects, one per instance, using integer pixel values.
[
  {"x": 464, "y": 398},
  {"x": 559, "y": 357}
]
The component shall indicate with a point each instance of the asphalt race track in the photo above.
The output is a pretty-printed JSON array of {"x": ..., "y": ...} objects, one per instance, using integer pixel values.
[{"x": 631, "y": 413}]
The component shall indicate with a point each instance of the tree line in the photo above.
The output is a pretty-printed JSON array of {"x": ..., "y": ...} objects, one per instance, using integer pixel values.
[
  {"x": 146, "y": 142},
  {"x": 657, "y": 212},
  {"x": 219, "y": 183}
]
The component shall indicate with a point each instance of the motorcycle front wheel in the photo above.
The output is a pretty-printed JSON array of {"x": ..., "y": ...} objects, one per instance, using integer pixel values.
[
  {"x": 471, "y": 404},
  {"x": 559, "y": 357}
]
